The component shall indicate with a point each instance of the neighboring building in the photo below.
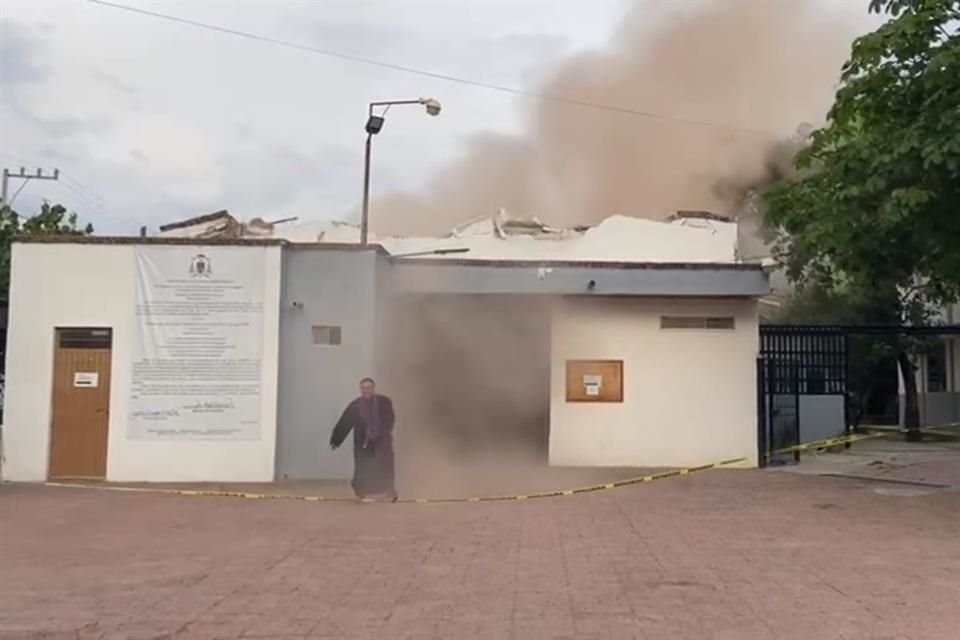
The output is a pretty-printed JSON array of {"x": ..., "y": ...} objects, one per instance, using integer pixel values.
[
  {"x": 632, "y": 343},
  {"x": 938, "y": 377}
]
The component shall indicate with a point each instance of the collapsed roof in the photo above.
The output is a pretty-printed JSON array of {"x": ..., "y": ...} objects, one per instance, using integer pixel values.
[{"x": 686, "y": 236}]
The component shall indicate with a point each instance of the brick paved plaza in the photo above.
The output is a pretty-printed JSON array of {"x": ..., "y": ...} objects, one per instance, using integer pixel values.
[{"x": 739, "y": 555}]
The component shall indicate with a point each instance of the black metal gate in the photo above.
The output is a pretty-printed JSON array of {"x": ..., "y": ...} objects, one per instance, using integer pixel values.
[{"x": 796, "y": 361}]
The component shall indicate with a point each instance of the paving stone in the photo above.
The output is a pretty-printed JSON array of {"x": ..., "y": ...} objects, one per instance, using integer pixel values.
[{"x": 724, "y": 554}]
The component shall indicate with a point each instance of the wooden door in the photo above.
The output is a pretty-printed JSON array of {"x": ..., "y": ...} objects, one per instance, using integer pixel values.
[{"x": 81, "y": 403}]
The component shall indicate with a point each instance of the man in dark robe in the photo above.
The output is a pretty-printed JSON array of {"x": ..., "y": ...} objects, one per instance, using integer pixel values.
[{"x": 371, "y": 418}]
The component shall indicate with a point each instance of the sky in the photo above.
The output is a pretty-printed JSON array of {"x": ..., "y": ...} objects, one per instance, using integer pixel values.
[{"x": 151, "y": 121}]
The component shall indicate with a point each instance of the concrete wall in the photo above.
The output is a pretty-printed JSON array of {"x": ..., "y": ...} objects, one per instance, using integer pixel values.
[
  {"x": 331, "y": 287},
  {"x": 689, "y": 395},
  {"x": 943, "y": 407},
  {"x": 93, "y": 285},
  {"x": 938, "y": 408},
  {"x": 385, "y": 318},
  {"x": 953, "y": 357},
  {"x": 532, "y": 278}
]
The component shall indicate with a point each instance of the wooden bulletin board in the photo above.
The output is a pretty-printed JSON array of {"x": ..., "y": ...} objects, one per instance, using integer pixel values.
[{"x": 594, "y": 380}]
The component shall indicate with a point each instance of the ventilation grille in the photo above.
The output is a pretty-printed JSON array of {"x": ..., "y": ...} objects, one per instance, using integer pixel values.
[{"x": 697, "y": 322}]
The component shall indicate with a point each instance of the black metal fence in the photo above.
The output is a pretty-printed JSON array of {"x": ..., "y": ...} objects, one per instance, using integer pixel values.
[{"x": 796, "y": 361}]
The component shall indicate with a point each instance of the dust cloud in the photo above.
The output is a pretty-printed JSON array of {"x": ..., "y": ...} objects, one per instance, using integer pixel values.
[
  {"x": 471, "y": 374},
  {"x": 731, "y": 80},
  {"x": 470, "y": 378}
]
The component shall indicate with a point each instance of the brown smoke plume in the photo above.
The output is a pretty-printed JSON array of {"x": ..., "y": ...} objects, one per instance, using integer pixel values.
[
  {"x": 761, "y": 68},
  {"x": 471, "y": 375}
]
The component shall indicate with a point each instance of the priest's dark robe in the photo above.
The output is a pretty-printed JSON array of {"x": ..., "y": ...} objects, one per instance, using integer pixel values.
[{"x": 372, "y": 426}]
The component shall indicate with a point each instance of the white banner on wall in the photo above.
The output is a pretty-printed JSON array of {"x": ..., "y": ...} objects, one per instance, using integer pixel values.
[{"x": 197, "y": 343}]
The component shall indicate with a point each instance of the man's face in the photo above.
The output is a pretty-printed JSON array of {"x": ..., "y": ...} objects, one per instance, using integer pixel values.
[{"x": 367, "y": 389}]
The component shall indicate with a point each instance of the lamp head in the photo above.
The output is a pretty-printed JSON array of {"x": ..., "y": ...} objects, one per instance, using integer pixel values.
[
  {"x": 374, "y": 124},
  {"x": 432, "y": 105}
]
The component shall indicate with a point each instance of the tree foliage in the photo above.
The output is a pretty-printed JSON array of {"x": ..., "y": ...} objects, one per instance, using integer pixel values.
[
  {"x": 873, "y": 210},
  {"x": 50, "y": 220},
  {"x": 876, "y": 201}
]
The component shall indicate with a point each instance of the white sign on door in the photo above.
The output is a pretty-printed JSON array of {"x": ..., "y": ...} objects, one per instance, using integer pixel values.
[
  {"x": 89, "y": 379},
  {"x": 198, "y": 343}
]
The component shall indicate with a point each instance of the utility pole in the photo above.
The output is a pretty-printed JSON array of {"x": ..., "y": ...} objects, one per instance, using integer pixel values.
[{"x": 39, "y": 175}]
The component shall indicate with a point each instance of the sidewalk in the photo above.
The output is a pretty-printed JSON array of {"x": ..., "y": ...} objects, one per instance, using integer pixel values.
[{"x": 934, "y": 464}]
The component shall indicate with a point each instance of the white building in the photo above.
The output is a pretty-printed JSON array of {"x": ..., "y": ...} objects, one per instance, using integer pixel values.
[
  {"x": 938, "y": 377},
  {"x": 633, "y": 343}
]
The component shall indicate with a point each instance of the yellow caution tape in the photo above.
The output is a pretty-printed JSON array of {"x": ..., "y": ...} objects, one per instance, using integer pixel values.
[
  {"x": 827, "y": 443},
  {"x": 504, "y": 498},
  {"x": 662, "y": 475}
]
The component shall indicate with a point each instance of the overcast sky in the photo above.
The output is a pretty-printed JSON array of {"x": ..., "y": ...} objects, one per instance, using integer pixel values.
[{"x": 151, "y": 121}]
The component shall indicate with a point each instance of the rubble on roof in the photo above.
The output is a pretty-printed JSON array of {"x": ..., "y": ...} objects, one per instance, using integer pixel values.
[
  {"x": 686, "y": 236},
  {"x": 219, "y": 224},
  {"x": 615, "y": 239},
  {"x": 504, "y": 226},
  {"x": 698, "y": 215}
]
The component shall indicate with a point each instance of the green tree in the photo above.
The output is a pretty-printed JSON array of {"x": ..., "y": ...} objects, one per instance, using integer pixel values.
[
  {"x": 874, "y": 205},
  {"x": 50, "y": 220}
]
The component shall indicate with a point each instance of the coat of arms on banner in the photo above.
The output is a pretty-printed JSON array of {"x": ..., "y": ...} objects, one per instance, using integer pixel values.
[{"x": 200, "y": 266}]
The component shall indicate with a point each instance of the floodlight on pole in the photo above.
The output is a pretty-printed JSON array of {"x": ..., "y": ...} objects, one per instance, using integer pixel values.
[{"x": 373, "y": 127}]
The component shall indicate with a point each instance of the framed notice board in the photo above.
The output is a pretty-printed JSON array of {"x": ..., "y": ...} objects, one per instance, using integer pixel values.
[{"x": 594, "y": 380}]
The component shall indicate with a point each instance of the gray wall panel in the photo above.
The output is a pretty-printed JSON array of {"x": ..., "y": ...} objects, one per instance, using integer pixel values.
[
  {"x": 317, "y": 381},
  {"x": 571, "y": 280}
]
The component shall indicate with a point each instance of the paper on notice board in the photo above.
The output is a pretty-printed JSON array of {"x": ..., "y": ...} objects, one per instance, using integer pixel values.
[{"x": 592, "y": 384}]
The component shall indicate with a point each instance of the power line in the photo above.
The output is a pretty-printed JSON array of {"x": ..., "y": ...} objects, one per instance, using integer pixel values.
[
  {"x": 84, "y": 199},
  {"x": 81, "y": 189},
  {"x": 96, "y": 203},
  {"x": 427, "y": 73}
]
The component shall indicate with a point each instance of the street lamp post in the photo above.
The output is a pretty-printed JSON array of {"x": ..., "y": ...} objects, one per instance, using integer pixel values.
[{"x": 374, "y": 125}]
